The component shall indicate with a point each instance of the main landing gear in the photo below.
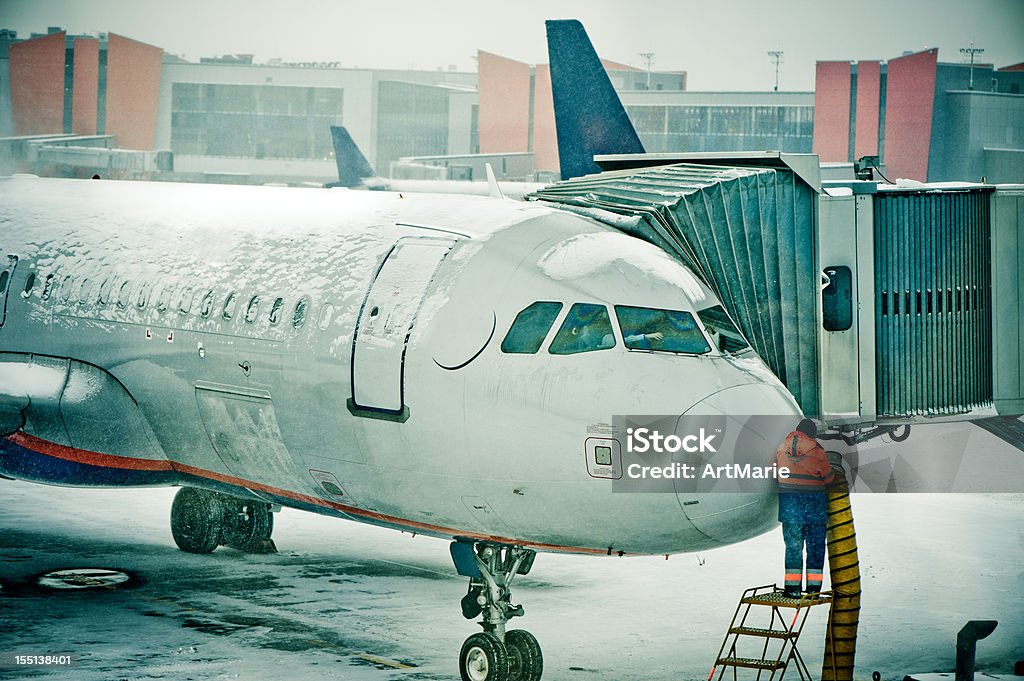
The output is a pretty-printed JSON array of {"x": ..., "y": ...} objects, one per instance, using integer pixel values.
[
  {"x": 495, "y": 654},
  {"x": 202, "y": 520}
]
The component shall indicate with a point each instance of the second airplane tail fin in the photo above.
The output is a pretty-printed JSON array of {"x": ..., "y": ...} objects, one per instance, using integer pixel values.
[
  {"x": 589, "y": 116},
  {"x": 353, "y": 167}
]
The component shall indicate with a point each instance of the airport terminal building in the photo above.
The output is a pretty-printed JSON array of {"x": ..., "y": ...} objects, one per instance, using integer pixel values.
[{"x": 228, "y": 119}]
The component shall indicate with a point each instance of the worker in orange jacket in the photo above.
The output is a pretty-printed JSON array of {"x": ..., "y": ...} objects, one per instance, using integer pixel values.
[{"x": 803, "y": 506}]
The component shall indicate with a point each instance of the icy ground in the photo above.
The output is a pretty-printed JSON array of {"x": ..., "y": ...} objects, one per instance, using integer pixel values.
[{"x": 348, "y": 601}]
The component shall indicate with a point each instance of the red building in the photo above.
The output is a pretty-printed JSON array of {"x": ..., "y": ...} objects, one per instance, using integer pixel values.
[
  {"x": 927, "y": 120},
  {"x": 82, "y": 85},
  {"x": 517, "y": 112}
]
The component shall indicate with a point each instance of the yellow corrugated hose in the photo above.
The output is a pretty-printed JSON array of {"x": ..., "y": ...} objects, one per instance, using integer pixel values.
[{"x": 844, "y": 571}]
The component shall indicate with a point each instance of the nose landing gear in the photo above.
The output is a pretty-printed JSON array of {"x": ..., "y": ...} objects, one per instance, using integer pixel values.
[{"x": 495, "y": 654}]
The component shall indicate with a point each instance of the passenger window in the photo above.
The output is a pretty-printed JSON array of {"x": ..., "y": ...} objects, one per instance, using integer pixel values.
[
  {"x": 722, "y": 329},
  {"x": 252, "y": 310},
  {"x": 530, "y": 328},
  {"x": 124, "y": 294},
  {"x": 299, "y": 316},
  {"x": 4, "y": 278},
  {"x": 48, "y": 287},
  {"x": 230, "y": 303},
  {"x": 207, "y": 305},
  {"x": 645, "y": 328},
  {"x": 275, "y": 310},
  {"x": 185, "y": 301},
  {"x": 586, "y": 328},
  {"x": 79, "y": 293},
  {"x": 30, "y": 284},
  {"x": 326, "y": 314},
  {"x": 65, "y": 288},
  {"x": 162, "y": 295},
  {"x": 104, "y": 293},
  {"x": 142, "y": 298}
]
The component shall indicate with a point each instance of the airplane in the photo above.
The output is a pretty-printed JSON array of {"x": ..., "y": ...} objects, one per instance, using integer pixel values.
[
  {"x": 417, "y": 362},
  {"x": 355, "y": 172}
]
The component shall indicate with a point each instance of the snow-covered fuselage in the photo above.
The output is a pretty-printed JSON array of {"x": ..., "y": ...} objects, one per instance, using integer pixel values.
[{"x": 340, "y": 352}]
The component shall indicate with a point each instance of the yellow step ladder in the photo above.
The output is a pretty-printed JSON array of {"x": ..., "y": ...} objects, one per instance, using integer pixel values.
[{"x": 771, "y": 634}]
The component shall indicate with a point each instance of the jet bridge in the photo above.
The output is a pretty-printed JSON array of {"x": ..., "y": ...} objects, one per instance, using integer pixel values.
[{"x": 872, "y": 303}]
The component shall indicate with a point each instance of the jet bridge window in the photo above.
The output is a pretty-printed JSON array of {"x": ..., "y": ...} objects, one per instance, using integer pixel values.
[
  {"x": 645, "y": 328},
  {"x": 586, "y": 328},
  {"x": 530, "y": 328},
  {"x": 723, "y": 331},
  {"x": 837, "y": 299}
]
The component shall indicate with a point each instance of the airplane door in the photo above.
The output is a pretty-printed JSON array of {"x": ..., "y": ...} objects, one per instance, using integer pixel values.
[
  {"x": 386, "y": 320},
  {"x": 6, "y": 282}
]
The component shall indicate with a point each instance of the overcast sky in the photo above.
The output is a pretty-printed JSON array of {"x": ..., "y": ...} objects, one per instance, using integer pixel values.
[{"x": 722, "y": 44}]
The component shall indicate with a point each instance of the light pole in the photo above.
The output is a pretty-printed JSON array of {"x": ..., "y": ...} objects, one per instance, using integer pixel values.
[
  {"x": 776, "y": 56},
  {"x": 970, "y": 52},
  {"x": 648, "y": 58}
]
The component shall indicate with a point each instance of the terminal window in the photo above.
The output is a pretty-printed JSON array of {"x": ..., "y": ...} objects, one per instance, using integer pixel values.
[{"x": 254, "y": 121}]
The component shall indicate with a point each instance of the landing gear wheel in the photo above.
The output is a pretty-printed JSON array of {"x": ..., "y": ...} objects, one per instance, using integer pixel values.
[
  {"x": 484, "y": 658},
  {"x": 197, "y": 519},
  {"x": 525, "y": 659},
  {"x": 248, "y": 525}
]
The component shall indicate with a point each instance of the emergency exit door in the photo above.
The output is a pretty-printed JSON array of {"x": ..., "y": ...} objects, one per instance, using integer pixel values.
[{"x": 386, "y": 321}]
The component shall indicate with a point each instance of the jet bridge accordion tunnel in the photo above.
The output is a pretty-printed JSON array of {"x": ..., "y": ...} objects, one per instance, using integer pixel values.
[{"x": 872, "y": 303}]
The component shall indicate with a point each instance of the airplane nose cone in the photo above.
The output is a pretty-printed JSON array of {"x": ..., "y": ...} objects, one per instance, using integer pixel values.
[{"x": 727, "y": 500}]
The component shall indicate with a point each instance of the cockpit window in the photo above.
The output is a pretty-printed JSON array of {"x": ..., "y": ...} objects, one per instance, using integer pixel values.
[
  {"x": 530, "y": 328},
  {"x": 586, "y": 328},
  {"x": 722, "y": 329},
  {"x": 645, "y": 328}
]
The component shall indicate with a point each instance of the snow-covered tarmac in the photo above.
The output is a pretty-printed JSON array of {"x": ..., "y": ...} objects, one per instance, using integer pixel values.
[{"x": 347, "y": 601}]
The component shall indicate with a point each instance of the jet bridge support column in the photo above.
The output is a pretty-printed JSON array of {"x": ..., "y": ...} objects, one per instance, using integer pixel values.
[{"x": 846, "y": 330}]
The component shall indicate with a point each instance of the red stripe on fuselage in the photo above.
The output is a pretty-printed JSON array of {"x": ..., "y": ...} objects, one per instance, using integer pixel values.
[
  {"x": 57, "y": 451},
  {"x": 82, "y": 456}
]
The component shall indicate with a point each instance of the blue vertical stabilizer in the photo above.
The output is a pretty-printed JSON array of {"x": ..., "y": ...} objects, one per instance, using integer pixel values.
[
  {"x": 589, "y": 116},
  {"x": 353, "y": 167}
]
